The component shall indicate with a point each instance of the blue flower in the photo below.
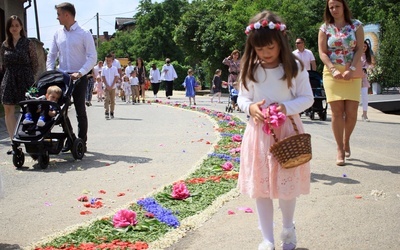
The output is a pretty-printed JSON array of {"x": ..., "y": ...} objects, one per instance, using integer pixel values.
[{"x": 162, "y": 214}]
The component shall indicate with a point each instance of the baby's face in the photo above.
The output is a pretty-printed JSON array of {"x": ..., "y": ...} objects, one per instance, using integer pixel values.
[{"x": 52, "y": 97}]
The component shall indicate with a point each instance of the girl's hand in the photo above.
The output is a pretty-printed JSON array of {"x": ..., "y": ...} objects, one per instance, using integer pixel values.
[
  {"x": 281, "y": 108},
  {"x": 256, "y": 113}
]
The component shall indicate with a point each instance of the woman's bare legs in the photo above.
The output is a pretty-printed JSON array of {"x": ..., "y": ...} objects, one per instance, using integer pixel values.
[
  {"x": 11, "y": 122},
  {"x": 351, "y": 108},
  {"x": 338, "y": 125}
]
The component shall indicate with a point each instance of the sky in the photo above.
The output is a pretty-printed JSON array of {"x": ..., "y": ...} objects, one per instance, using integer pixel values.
[{"x": 85, "y": 16}]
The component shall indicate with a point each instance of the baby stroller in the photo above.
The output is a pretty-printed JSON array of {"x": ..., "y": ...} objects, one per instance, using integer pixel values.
[
  {"x": 320, "y": 105},
  {"x": 232, "y": 96},
  {"x": 41, "y": 141}
]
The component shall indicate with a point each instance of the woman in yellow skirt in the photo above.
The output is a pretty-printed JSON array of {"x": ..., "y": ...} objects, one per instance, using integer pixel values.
[{"x": 340, "y": 45}]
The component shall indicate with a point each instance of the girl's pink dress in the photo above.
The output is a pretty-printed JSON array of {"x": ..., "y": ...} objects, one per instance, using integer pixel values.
[
  {"x": 99, "y": 88},
  {"x": 260, "y": 175}
]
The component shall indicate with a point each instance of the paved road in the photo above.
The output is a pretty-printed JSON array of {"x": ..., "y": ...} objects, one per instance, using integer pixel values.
[{"x": 140, "y": 155}]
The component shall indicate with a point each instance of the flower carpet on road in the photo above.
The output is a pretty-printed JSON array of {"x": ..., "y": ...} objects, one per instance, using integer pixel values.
[{"x": 158, "y": 216}]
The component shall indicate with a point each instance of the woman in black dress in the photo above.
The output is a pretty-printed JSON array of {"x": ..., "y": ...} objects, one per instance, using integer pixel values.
[
  {"x": 141, "y": 75},
  {"x": 18, "y": 61}
]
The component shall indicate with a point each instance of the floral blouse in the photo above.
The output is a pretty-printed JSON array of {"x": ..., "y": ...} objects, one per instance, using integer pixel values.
[{"x": 341, "y": 43}]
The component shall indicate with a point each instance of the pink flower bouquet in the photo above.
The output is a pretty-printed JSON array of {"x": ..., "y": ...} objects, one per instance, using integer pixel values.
[
  {"x": 180, "y": 191},
  {"x": 274, "y": 119},
  {"x": 124, "y": 218}
]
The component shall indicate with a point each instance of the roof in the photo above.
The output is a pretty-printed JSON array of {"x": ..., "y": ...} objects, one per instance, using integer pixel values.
[{"x": 121, "y": 22}]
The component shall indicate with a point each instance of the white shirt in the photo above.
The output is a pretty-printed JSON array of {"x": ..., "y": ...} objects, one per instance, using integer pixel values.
[
  {"x": 306, "y": 57},
  {"x": 134, "y": 81},
  {"x": 109, "y": 73},
  {"x": 116, "y": 64},
  {"x": 96, "y": 71},
  {"x": 168, "y": 73},
  {"x": 75, "y": 50},
  {"x": 154, "y": 75},
  {"x": 274, "y": 90},
  {"x": 128, "y": 70}
]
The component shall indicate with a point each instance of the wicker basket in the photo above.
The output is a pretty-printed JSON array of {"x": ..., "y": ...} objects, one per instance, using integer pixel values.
[{"x": 293, "y": 150}]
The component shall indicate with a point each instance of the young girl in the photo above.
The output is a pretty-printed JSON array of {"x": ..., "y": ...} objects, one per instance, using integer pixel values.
[
  {"x": 126, "y": 87},
  {"x": 368, "y": 62},
  {"x": 217, "y": 85},
  {"x": 99, "y": 88},
  {"x": 271, "y": 75},
  {"x": 189, "y": 84}
]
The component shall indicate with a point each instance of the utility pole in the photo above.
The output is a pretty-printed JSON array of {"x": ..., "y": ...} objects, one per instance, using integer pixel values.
[
  {"x": 37, "y": 21},
  {"x": 98, "y": 35}
]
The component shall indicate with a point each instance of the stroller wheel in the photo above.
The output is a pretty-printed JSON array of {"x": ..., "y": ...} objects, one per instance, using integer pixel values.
[
  {"x": 322, "y": 116},
  {"x": 44, "y": 160},
  {"x": 78, "y": 149},
  {"x": 312, "y": 115},
  {"x": 18, "y": 158}
]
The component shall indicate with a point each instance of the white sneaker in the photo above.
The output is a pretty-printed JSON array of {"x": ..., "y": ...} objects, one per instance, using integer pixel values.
[
  {"x": 266, "y": 245},
  {"x": 289, "y": 239}
]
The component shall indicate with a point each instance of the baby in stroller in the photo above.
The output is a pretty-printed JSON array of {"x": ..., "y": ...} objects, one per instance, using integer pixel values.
[
  {"x": 53, "y": 94},
  {"x": 40, "y": 140},
  {"x": 233, "y": 96}
]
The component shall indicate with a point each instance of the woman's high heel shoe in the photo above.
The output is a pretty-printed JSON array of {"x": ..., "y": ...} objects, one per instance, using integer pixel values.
[
  {"x": 340, "y": 160},
  {"x": 347, "y": 154}
]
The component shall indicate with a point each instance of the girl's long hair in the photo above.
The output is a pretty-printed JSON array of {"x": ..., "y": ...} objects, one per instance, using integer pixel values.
[
  {"x": 264, "y": 37},
  {"x": 368, "y": 56},
  {"x": 9, "y": 39}
]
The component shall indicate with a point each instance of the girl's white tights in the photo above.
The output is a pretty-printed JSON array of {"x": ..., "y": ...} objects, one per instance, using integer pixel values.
[{"x": 265, "y": 209}]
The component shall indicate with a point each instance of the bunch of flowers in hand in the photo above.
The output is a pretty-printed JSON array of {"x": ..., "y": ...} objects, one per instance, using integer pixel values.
[{"x": 274, "y": 118}]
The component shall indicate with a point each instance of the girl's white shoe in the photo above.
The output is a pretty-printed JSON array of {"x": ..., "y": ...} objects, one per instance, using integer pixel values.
[
  {"x": 266, "y": 245},
  {"x": 288, "y": 237}
]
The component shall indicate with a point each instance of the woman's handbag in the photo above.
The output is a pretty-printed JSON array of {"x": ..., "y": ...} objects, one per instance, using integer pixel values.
[{"x": 292, "y": 151}]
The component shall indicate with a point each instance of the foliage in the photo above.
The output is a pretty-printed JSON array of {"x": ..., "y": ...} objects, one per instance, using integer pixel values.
[{"x": 200, "y": 33}]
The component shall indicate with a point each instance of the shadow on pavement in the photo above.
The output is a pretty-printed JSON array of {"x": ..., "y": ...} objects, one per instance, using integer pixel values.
[
  {"x": 375, "y": 166},
  {"x": 331, "y": 180},
  {"x": 64, "y": 162},
  {"x": 9, "y": 246}
]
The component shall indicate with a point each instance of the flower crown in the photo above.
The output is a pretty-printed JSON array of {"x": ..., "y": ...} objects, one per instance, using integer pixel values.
[{"x": 263, "y": 24}]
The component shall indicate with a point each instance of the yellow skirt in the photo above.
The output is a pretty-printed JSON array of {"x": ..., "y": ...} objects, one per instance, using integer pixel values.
[{"x": 338, "y": 90}]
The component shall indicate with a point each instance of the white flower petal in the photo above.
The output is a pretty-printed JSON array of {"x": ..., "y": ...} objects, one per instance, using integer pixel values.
[
  {"x": 257, "y": 25},
  {"x": 271, "y": 25}
]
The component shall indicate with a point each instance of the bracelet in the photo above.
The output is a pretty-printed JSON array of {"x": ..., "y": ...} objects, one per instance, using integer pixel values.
[{"x": 333, "y": 71}]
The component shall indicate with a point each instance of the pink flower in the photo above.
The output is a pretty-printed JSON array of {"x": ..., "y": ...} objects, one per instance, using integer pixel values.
[
  {"x": 180, "y": 191},
  {"x": 232, "y": 123},
  {"x": 230, "y": 212},
  {"x": 274, "y": 119},
  {"x": 234, "y": 150},
  {"x": 124, "y": 218},
  {"x": 227, "y": 166},
  {"x": 237, "y": 138},
  {"x": 227, "y": 117}
]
